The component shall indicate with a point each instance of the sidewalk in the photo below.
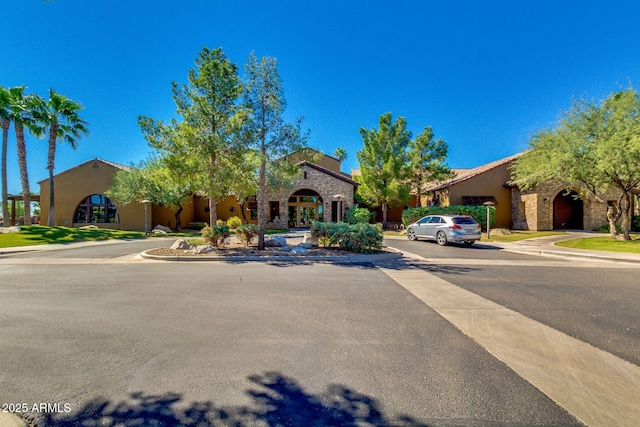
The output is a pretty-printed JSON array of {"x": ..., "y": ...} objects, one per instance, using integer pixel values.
[
  {"x": 69, "y": 245},
  {"x": 546, "y": 246}
]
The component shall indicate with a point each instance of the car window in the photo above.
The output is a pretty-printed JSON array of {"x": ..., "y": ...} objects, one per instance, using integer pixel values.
[
  {"x": 464, "y": 220},
  {"x": 436, "y": 220},
  {"x": 424, "y": 220}
]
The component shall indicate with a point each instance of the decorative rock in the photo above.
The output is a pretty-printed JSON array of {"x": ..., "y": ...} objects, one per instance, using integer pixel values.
[
  {"x": 156, "y": 231},
  {"x": 299, "y": 250},
  {"x": 162, "y": 228},
  {"x": 181, "y": 244},
  {"x": 286, "y": 248},
  {"x": 88, "y": 227},
  {"x": 307, "y": 245},
  {"x": 6, "y": 230},
  {"x": 205, "y": 249},
  {"x": 276, "y": 242}
]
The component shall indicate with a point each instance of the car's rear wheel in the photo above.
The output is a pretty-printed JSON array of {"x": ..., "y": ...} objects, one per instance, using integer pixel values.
[
  {"x": 468, "y": 242},
  {"x": 411, "y": 234},
  {"x": 441, "y": 238}
]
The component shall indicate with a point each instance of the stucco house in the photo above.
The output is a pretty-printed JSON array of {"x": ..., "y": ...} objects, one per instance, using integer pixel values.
[{"x": 320, "y": 193}]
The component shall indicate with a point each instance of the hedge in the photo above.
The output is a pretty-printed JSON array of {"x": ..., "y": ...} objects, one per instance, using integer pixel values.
[
  {"x": 479, "y": 213},
  {"x": 361, "y": 238}
]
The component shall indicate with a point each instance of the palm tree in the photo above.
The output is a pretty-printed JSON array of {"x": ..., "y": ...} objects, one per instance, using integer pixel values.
[
  {"x": 21, "y": 114},
  {"x": 5, "y": 122},
  {"x": 58, "y": 116}
]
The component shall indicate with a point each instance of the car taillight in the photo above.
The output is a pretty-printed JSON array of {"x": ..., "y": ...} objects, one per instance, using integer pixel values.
[
  {"x": 455, "y": 227},
  {"x": 478, "y": 227}
]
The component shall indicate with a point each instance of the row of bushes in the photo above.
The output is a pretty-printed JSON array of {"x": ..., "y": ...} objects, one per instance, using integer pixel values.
[
  {"x": 479, "y": 213},
  {"x": 360, "y": 238}
]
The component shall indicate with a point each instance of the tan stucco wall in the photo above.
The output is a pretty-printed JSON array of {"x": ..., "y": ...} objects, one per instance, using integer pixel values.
[
  {"x": 320, "y": 160},
  {"x": 163, "y": 215},
  {"x": 76, "y": 184},
  {"x": 489, "y": 183}
]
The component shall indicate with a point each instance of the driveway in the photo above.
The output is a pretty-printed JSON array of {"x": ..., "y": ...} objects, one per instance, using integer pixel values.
[{"x": 123, "y": 340}]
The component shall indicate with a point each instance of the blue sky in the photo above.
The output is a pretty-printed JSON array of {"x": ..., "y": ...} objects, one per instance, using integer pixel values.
[{"x": 484, "y": 75}]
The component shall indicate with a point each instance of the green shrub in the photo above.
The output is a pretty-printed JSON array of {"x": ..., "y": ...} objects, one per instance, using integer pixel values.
[
  {"x": 197, "y": 225},
  {"x": 361, "y": 238},
  {"x": 356, "y": 215},
  {"x": 220, "y": 222},
  {"x": 246, "y": 233},
  {"x": 218, "y": 236},
  {"x": 479, "y": 213},
  {"x": 234, "y": 222}
]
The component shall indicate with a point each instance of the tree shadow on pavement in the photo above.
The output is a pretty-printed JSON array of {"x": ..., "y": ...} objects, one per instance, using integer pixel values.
[{"x": 277, "y": 400}]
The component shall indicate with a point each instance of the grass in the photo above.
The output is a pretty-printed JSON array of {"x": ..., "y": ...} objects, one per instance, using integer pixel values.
[
  {"x": 520, "y": 235},
  {"x": 604, "y": 244},
  {"x": 42, "y": 235}
]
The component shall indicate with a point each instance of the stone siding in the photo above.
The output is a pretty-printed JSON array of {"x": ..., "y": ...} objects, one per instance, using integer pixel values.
[
  {"x": 325, "y": 185},
  {"x": 533, "y": 209}
]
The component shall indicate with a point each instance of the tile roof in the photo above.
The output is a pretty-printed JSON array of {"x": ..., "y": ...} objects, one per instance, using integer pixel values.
[{"x": 465, "y": 174}]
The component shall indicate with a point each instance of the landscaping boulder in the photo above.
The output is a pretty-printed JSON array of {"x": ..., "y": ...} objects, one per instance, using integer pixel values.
[
  {"x": 299, "y": 250},
  {"x": 286, "y": 248},
  {"x": 181, "y": 244},
  {"x": 6, "y": 230},
  {"x": 88, "y": 227},
  {"x": 500, "y": 232},
  {"x": 162, "y": 228},
  {"x": 203, "y": 249},
  {"x": 157, "y": 231},
  {"x": 307, "y": 245},
  {"x": 275, "y": 242}
]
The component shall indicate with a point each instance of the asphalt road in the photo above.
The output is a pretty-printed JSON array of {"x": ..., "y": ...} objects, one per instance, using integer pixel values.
[
  {"x": 124, "y": 340},
  {"x": 595, "y": 302}
]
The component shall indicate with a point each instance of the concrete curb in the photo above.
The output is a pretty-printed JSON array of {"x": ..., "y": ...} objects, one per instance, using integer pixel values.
[
  {"x": 8, "y": 419},
  {"x": 551, "y": 253},
  {"x": 393, "y": 254}
]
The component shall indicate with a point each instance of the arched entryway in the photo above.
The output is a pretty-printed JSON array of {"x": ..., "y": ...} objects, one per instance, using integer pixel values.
[
  {"x": 568, "y": 211},
  {"x": 305, "y": 207}
]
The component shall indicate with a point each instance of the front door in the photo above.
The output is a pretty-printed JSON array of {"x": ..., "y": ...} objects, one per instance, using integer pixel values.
[{"x": 305, "y": 207}]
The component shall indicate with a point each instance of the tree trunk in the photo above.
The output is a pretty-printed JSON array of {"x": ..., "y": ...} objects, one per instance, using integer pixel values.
[
  {"x": 384, "y": 215},
  {"x": 178, "y": 221},
  {"x": 53, "y": 134},
  {"x": 262, "y": 185},
  {"x": 242, "y": 211},
  {"x": 626, "y": 216},
  {"x": 5, "y": 195},
  {"x": 213, "y": 214},
  {"x": 612, "y": 216},
  {"x": 418, "y": 198},
  {"x": 24, "y": 176}
]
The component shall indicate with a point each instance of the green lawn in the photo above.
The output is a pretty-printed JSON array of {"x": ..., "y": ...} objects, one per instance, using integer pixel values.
[
  {"x": 41, "y": 235},
  {"x": 604, "y": 244},
  {"x": 520, "y": 235}
]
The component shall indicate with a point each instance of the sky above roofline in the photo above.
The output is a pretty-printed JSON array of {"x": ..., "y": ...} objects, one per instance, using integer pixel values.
[{"x": 485, "y": 75}]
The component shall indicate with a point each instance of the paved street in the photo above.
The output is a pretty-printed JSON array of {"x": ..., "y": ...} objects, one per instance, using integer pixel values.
[{"x": 127, "y": 340}]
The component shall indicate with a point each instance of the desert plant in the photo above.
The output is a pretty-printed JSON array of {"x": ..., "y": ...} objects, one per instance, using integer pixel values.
[
  {"x": 246, "y": 233},
  {"x": 234, "y": 222},
  {"x": 217, "y": 236},
  {"x": 220, "y": 223}
]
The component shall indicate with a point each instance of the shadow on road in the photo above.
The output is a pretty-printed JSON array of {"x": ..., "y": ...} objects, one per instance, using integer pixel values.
[{"x": 277, "y": 400}]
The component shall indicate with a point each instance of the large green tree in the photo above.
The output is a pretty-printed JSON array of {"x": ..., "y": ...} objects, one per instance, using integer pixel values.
[
  {"x": 59, "y": 120},
  {"x": 427, "y": 157},
  {"x": 5, "y": 122},
  {"x": 595, "y": 146},
  {"x": 154, "y": 181},
  {"x": 383, "y": 172},
  {"x": 269, "y": 136},
  {"x": 205, "y": 146}
]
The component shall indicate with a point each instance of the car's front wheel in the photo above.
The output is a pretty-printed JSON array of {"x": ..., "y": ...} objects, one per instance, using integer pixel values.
[
  {"x": 441, "y": 238},
  {"x": 411, "y": 234}
]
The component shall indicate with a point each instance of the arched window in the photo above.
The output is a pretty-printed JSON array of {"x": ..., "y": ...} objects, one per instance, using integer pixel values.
[{"x": 96, "y": 209}]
